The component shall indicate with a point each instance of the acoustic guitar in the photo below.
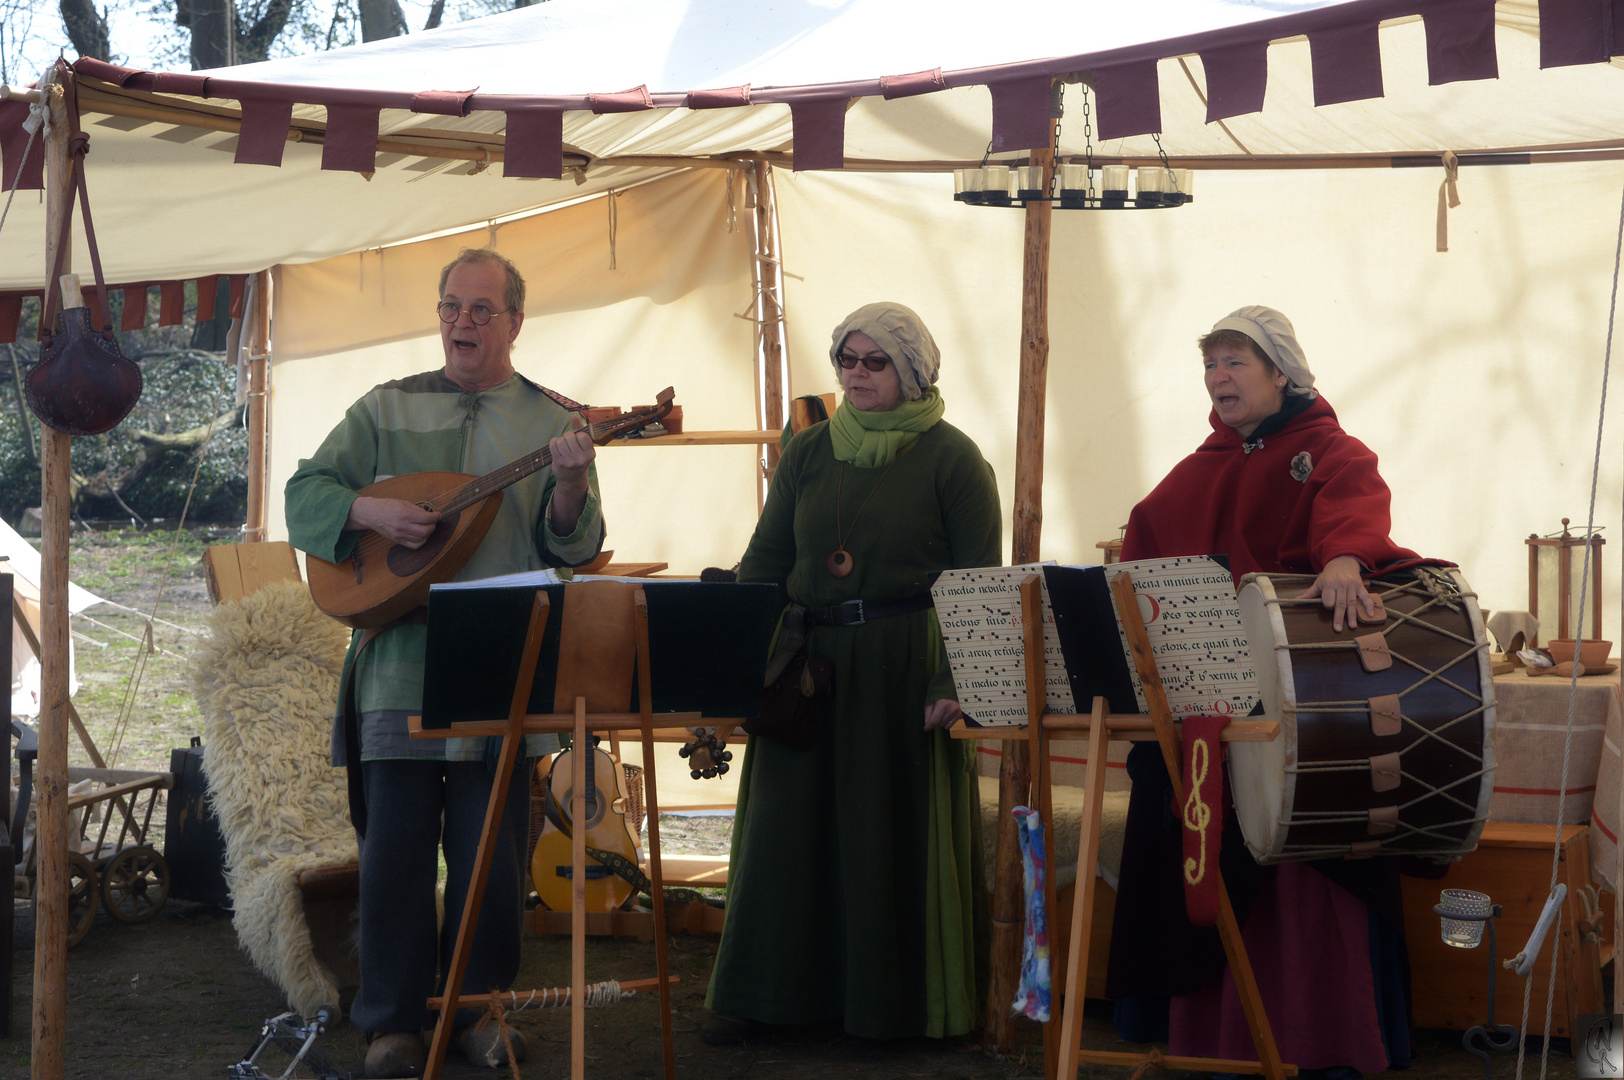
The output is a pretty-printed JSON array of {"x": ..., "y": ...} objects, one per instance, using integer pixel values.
[
  {"x": 605, "y": 793},
  {"x": 382, "y": 580}
]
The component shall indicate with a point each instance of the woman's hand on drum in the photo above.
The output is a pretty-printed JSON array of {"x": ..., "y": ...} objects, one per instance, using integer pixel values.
[
  {"x": 941, "y": 713},
  {"x": 1341, "y": 588}
]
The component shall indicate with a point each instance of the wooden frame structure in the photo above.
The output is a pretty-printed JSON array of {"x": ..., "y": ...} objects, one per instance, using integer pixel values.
[
  {"x": 1062, "y": 1050},
  {"x": 580, "y": 723}
]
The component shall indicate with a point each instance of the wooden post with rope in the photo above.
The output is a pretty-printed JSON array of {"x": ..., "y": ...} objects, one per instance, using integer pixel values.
[
  {"x": 1015, "y": 768},
  {"x": 257, "y": 346},
  {"x": 50, "y": 1035},
  {"x": 769, "y": 308}
]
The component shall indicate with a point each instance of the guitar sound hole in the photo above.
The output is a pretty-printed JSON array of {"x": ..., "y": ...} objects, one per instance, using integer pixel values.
[
  {"x": 596, "y": 806},
  {"x": 404, "y": 561}
]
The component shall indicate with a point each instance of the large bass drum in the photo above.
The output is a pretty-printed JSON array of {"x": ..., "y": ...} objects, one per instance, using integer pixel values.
[{"x": 1386, "y": 742}]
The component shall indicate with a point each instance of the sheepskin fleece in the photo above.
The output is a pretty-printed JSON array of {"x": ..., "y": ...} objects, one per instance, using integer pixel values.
[{"x": 266, "y": 683}]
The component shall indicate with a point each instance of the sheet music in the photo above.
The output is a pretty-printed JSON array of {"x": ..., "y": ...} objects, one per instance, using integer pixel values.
[
  {"x": 1193, "y": 621},
  {"x": 980, "y": 615},
  {"x": 545, "y": 576}
]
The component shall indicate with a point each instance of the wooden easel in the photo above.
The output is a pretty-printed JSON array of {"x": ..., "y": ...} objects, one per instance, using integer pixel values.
[
  {"x": 512, "y": 732},
  {"x": 1062, "y": 1052}
]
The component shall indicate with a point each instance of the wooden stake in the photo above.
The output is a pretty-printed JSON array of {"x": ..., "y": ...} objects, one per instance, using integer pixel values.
[
  {"x": 257, "y": 346},
  {"x": 51, "y": 776},
  {"x": 1037, "y": 703},
  {"x": 1082, "y": 899},
  {"x": 581, "y": 751},
  {"x": 645, "y": 689},
  {"x": 1015, "y": 769}
]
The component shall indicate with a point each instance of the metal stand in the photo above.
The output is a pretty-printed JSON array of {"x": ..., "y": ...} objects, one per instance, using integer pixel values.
[
  {"x": 296, "y": 1035},
  {"x": 1499, "y": 1038}
]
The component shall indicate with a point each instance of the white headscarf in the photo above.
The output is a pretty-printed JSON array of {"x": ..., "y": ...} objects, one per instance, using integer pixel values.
[
  {"x": 1274, "y": 335},
  {"x": 902, "y": 335}
]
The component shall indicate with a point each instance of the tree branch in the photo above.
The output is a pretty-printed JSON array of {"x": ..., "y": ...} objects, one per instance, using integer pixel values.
[
  {"x": 87, "y": 29},
  {"x": 254, "y": 43}
]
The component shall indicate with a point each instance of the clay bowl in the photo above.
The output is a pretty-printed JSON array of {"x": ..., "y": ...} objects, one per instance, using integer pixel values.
[{"x": 1592, "y": 654}]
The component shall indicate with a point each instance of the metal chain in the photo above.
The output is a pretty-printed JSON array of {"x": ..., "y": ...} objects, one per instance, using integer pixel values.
[
  {"x": 1088, "y": 143},
  {"x": 1060, "y": 112},
  {"x": 1171, "y": 179}
]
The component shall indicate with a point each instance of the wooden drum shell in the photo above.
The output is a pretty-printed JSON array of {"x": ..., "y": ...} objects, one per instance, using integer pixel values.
[{"x": 1310, "y": 793}]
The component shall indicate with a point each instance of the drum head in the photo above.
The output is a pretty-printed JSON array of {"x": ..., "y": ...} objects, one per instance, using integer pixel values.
[{"x": 1258, "y": 771}]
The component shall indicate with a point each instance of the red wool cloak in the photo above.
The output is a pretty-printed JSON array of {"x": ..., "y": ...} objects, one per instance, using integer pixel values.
[{"x": 1308, "y": 494}]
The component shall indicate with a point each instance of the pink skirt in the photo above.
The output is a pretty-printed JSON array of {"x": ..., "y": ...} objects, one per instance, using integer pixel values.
[{"x": 1309, "y": 942}]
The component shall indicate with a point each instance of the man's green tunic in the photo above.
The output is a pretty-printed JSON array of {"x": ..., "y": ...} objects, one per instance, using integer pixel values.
[
  {"x": 856, "y": 882},
  {"x": 420, "y": 424}
]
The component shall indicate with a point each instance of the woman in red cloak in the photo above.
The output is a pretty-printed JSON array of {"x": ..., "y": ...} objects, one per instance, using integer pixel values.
[{"x": 1278, "y": 487}]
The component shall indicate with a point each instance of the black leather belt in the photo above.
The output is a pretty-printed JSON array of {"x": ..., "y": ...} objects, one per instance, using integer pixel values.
[{"x": 858, "y": 612}]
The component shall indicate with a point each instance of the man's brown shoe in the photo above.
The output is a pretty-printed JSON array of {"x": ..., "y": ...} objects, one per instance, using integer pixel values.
[{"x": 393, "y": 1055}]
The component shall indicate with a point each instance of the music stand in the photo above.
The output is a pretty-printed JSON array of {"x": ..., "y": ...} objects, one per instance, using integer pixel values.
[
  {"x": 511, "y": 731},
  {"x": 1062, "y": 1050}
]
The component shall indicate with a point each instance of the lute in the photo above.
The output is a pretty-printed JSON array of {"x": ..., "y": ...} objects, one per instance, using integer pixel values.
[{"x": 381, "y": 580}]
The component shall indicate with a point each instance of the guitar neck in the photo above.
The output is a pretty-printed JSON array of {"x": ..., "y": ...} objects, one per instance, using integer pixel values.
[{"x": 509, "y": 474}]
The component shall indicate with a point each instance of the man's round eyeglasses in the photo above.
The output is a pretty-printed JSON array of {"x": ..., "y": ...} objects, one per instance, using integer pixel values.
[
  {"x": 873, "y": 363},
  {"x": 480, "y": 314}
]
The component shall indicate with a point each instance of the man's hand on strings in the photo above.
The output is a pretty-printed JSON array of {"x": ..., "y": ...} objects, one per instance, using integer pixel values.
[
  {"x": 1341, "y": 588},
  {"x": 573, "y": 454},
  {"x": 397, "y": 520},
  {"x": 941, "y": 713}
]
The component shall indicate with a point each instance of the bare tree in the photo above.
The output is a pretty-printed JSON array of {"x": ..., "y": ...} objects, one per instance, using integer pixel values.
[
  {"x": 87, "y": 28},
  {"x": 381, "y": 19},
  {"x": 225, "y": 34},
  {"x": 154, "y": 446}
]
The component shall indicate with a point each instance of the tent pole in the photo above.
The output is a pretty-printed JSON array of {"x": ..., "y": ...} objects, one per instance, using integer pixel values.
[
  {"x": 772, "y": 304},
  {"x": 51, "y": 779},
  {"x": 258, "y": 348},
  {"x": 1015, "y": 769}
]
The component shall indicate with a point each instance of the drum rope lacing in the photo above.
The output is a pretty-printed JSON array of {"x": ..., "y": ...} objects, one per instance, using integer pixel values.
[
  {"x": 1573, "y": 679},
  {"x": 1438, "y": 593}
]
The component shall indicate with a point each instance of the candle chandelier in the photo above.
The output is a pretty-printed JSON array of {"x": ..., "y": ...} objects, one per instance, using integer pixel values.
[{"x": 1071, "y": 186}]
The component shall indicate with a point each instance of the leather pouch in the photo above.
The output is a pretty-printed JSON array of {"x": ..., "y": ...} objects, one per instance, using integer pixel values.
[{"x": 789, "y": 711}]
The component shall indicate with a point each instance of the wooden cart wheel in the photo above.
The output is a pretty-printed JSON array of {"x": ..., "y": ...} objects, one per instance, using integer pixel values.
[
  {"x": 135, "y": 884},
  {"x": 81, "y": 897}
]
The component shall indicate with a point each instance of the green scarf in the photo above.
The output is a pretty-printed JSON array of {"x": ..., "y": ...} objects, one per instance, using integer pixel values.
[{"x": 871, "y": 439}]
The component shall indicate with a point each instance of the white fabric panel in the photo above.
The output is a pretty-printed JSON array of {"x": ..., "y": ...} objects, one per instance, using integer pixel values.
[
  {"x": 1475, "y": 375},
  {"x": 585, "y": 46},
  {"x": 601, "y": 336}
]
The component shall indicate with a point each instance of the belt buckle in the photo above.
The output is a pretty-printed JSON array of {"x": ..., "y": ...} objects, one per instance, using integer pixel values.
[{"x": 861, "y": 617}]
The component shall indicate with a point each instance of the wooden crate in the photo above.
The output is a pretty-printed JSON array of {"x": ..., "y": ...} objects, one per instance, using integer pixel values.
[
  {"x": 235, "y": 570},
  {"x": 1512, "y": 864}
]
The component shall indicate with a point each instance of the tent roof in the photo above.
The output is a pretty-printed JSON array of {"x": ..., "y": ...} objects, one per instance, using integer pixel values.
[{"x": 542, "y": 91}]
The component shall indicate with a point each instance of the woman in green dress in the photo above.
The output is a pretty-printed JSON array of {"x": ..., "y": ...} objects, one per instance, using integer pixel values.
[{"x": 856, "y": 885}]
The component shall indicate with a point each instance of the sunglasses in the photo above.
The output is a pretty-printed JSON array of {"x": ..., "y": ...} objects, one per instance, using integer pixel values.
[{"x": 873, "y": 363}]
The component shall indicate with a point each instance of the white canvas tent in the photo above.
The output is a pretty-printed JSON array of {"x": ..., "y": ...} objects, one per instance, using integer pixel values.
[
  {"x": 19, "y": 559},
  {"x": 1473, "y": 373},
  {"x": 1318, "y": 133}
]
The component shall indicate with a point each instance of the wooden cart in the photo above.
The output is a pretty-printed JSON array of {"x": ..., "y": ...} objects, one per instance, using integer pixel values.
[{"x": 117, "y": 865}]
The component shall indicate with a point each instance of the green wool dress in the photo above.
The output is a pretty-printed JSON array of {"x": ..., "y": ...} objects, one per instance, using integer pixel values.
[{"x": 856, "y": 884}]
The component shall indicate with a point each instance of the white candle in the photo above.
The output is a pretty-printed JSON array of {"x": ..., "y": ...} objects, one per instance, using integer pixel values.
[
  {"x": 995, "y": 178},
  {"x": 1026, "y": 178},
  {"x": 972, "y": 179},
  {"x": 1186, "y": 182},
  {"x": 1150, "y": 179},
  {"x": 1115, "y": 181},
  {"x": 1074, "y": 178}
]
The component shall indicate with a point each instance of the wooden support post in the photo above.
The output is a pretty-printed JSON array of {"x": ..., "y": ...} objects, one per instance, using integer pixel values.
[
  {"x": 769, "y": 308},
  {"x": 1015, "y": 769},
  {"x": 1037, "y": 703},
  {"x": 257, "y": 347},
  {"x": 8, "y": 852},
  {"x": 51, "y": 777},
  {"x": 1082, "y": 900},
  {"x": 662, "y": 962},
  {"x": 581, "y": 751},
  {"x": 512, "y": 744}
]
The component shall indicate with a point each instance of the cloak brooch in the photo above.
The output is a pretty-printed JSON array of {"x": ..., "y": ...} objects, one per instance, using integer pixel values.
[{"x": 1302, "y": 467}]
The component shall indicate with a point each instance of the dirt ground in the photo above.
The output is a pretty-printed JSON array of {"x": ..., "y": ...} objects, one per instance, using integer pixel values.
[{"x": 175, "y": 999}]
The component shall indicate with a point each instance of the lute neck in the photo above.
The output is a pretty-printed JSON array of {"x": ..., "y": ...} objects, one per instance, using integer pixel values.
[{"x": 509, "y": 474}]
